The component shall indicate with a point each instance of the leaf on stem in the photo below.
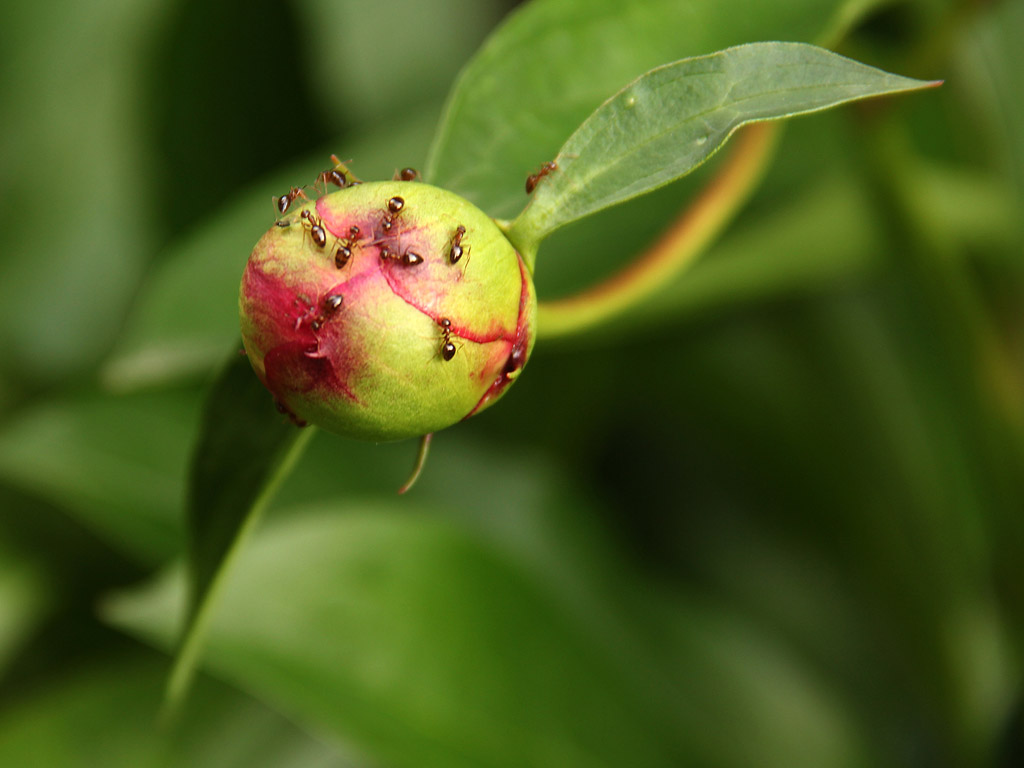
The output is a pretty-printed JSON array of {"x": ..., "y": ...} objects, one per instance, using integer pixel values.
[
  {"x": 551, "y": 62},
  {"x": 670, "y": 120}
]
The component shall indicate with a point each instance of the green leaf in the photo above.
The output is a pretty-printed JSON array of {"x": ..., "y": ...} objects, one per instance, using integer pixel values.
[
  {"x": 26, "y": 597},
  {"x": 425, "y": 645},
  {"x": 553, "y": 62},
  {"x": 988, "y": 64},
  {"x": 72, "y": 260},
  {"x": 414, "y": 73},
  {"x": 245, "y": 450},
  {"x": 667, "y": 122},
  {"x": 115, "y": 463},
  {"x": 105, "y": 715}
]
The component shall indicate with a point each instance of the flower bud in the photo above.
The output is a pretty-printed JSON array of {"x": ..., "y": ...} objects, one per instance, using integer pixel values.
[{"x": 386, "y": 310}]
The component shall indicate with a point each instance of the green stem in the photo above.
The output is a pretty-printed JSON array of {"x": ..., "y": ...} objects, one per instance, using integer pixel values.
[
  {"x": 198, "y": 620},
  {"x": 677, "y": 249},
  {"x": 421, "y": 460}
]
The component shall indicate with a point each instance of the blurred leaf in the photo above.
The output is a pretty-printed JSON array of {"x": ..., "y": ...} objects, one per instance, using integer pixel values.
[
  {"x": 187, "y": 313},
  {"x": 74, "y": 178},
  {"x": 967, "y": 207},
  {"x": 813, "y": 440},
  {"x": 665, "y": 123},
  {"x": 426, "y": 646},
  {"x": 989, "y": 60},
  {"x": 105, "y": 715},
  {"x": 374, "y": 60},
  {"x": 25, "y": 598},
  {"x": 115, "y": 463},
  {"x": 245, "y": 450},
  {"x": 823, "y": 236},
  {"x": 237, "y": 64},
  {"x": 553, "y": 62}
]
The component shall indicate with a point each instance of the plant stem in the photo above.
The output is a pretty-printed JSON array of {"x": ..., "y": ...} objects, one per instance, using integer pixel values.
[
  {"x": 197, "y": 619},
  {"x": 421, "y": 460},
  {"x": 695, "y": 229}
]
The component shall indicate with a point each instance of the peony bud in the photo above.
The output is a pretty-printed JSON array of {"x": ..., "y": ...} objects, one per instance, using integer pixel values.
[{"x": 386, "y": 310}]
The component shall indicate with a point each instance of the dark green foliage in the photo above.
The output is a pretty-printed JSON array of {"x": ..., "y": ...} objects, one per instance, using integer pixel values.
[{"x": 772, "y": 517}]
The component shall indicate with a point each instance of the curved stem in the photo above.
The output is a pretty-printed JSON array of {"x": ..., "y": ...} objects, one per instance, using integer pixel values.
[
  {"x": 698, "y": 226},
  {"x": 199, "y": 615},
  {"x": 421, "y": 460}
]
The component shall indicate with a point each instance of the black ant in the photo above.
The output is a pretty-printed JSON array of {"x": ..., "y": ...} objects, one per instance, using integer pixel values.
[
  {"x": 456, "y": 251},
  {"x": 332, "y": 176},
  {"x": 331, "y": 304},
  {"x": 534, "y": 178},
  {"x": 340, "y": 176},
  {"x": 316, "y": 229},
  {"x": 411, "y": 259},
  {"x": 408, "y": 258},
  {"x": 341, "y": 255},
  {"x": 284, "y": 202},
  {"x": 407, "y": 174},
  {"x": 448, "y": 348},
  {"x": 344, "y": 250},
  {"x": 343, "y": 171},
  {"x": 395, "y": 206}
]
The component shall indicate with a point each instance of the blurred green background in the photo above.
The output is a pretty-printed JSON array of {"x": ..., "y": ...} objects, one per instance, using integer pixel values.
[{"x": 774, "y": 517}]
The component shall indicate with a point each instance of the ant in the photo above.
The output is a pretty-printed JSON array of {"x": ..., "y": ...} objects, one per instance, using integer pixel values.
[
  {"x": 306, "y": 313},
  {"x": 448, "y": 348},
  {"x": 316, "y": 229},
  {"x": 284, "y": 202},
  {"x": 332, "y": 176},
  {"x": 344, "y": 250},
  {"x": 331, "y": 304},
  {"x": 343, "y": 170},
  {"x": 456, "y": 251},
  {"x": 408, "y": 259},
  {"x": 534, "y": 178},
  {"x": 407, "y": 174},
  {"x": 341, "y": 255},
  {"x": 411, "y": 259},
  {"x": 395, "y": 206}
]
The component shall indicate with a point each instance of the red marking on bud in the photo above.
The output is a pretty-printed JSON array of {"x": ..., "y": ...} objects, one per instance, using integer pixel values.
[
  {"x": 317, "y": 355},
  {"x": 297, "y": 363},
  {"x": 520, "y": 344}
]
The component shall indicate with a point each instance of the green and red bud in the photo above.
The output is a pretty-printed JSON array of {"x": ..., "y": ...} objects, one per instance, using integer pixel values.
[{"x": 386, "y": 310}]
